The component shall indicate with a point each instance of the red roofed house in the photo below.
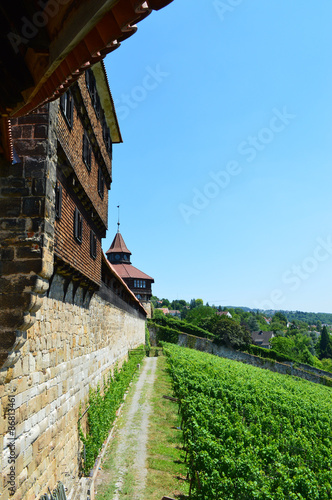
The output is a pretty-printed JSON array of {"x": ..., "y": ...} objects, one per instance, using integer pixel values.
[{"x": 138, "y": 282}]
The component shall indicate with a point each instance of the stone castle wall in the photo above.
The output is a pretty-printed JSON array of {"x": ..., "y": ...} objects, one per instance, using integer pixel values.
[{"x": 71, "y": 347}]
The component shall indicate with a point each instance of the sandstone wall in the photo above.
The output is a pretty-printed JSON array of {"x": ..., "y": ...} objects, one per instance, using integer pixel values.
[{"x": 68, "y": 349}]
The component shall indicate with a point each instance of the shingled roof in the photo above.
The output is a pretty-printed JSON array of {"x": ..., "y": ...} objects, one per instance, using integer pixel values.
[
  {"x": 118, "y": 245},
  {"x": 129, "y": 271}
]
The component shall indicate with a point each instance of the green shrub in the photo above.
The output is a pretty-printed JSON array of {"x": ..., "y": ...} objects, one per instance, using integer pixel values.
[{"x": 102, "y": 409}]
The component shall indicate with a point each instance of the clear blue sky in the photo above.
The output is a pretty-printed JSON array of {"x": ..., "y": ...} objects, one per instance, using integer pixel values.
[{"x": 224, "y": 177}]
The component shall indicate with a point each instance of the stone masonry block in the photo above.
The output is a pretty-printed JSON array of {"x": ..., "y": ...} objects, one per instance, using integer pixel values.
[
  {"x": 41, "y": 131},
  {"x": 33, "y": 206},
  {"x": 35, "y": 147},
  {"x": 34, "y": 167},
  {"x": 38, "y": 187},
  {"x": 10, "y": 207}
]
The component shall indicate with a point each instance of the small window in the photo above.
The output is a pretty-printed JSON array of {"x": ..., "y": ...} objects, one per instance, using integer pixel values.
[
  {"x": 107, "y": 138},
  {"x": 101, "y": 183},
  {"x": 144, "y": 284},
  {"x": 58, "y": 200},
  {"x": 78, "y": 226},
  {"x": 67, "y": 107},
  {"x": 86, "y": 151},
  {"x": 135, "y": 284},
  {"x": 97, "y": 105},
  {"x": 91, "y": 84},
  {"x": 93, "y": 245}
]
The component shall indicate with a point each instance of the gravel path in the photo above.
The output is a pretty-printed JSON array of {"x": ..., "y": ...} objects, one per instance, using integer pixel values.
[{"x": 129, "y": 471}]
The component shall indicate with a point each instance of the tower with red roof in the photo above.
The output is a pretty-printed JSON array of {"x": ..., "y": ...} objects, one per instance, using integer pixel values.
[{"x": 138, "y": 282}]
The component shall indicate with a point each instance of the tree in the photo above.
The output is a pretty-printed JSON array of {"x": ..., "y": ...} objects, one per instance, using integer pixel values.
[
  {"x": 198, "y": 315},
  {"x": 253, "y": 324},
  {"x": 325, "y": 344},
  {"x": 279, "y": 317},
  {"x": 230, "y": 333}
]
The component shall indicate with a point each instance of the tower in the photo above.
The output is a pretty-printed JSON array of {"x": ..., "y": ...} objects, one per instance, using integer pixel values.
[{"x": 138, "y": 282}]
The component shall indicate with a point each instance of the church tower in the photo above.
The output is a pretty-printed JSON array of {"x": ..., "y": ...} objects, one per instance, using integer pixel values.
[{"x": 138, "y": 282}]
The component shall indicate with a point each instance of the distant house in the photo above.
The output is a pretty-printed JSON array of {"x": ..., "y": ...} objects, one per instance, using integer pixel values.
[
  {"x": 262, "y": 339},
  {"x": 175, "y": 312},
  {"x": 164, "y": 310},
  {"x": 224, "y": 313},
  {"x": 268, "y": 320}
]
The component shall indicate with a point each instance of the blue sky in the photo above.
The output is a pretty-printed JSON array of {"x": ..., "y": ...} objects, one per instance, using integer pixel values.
[{"x": 224, "y": 177}]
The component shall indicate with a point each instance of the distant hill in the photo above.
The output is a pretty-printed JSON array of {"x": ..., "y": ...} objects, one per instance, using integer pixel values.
[{"x": 310, "y": 318}]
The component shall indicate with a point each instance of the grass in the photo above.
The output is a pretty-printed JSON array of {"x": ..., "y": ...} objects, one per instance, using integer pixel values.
[
  {"x": 166, "y": 468},
  {"x": 109, "y": 475}
]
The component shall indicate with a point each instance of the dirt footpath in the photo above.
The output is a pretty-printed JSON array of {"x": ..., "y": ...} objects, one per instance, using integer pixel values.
[{"x": 126, "y": 477}]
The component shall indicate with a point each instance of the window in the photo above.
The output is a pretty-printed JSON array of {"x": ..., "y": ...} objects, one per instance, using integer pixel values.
[
  {"x": 107, "y": 137},
  {"x": 86, "y": 151},
  {"x": 67, "y": 107},
  {"x": 93, "y": 245},
  {"x": 143, "y": 284},
  {"x": 91, "y": 84},
  {"x": 101, "y": 183},
  {"x": 97, "y": 105},
  {"x": 78, "y": 226},
  {"x": 92, "y": 87},
  {"x": 58, "y": 200}
]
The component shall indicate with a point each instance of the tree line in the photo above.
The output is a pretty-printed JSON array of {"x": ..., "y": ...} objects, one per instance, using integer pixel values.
[{"x": 309, "y": 343}]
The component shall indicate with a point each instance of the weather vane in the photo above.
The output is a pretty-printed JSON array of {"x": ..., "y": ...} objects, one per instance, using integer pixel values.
[{"x": 118, "y": 218}]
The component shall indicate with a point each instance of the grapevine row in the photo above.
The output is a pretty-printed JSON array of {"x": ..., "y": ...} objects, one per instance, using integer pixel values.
[{"x": 251, "y": 433}]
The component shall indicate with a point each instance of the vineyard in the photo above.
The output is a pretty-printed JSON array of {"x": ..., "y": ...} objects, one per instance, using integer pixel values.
[{"x": 250, "y": 433}]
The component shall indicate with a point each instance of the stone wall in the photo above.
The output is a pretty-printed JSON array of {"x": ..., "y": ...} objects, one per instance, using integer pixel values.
[
  {"x": 26, "y": 227},
  {"x": 69, "y": 348}
]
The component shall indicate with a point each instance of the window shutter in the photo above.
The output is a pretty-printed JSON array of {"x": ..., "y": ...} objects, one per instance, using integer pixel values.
[
  {"x": 93, "y": 245},
  {"x": 78, "y": 225},
  {"x": 100, "y": 183},
  {"x": 58, "y": 200},
  {"x": 80, "y": 229},
  {"x": 86, "y": 151},
  {"x": 63, "y": 102},
  {"x": 71, "y": 109}
]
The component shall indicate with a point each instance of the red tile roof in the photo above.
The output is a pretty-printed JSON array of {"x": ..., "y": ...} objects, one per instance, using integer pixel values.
[
  {"x": 119, "y": 278},
  {"x": 118, "y": 245},
  {"x": 129, "y": 271}
]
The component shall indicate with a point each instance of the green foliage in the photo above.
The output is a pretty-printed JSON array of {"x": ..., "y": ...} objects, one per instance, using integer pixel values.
[
  {"x": 179, "y": 325},
  {"x": 147, "y": 338},
  {"x": 166, "y": 333},
  {"x": 197, "y": 315},
  {"x": 103, "y": 407},
  {"x": 325, "y": 344},
  {"x": 229, "y": 332},
  {"x": 250, "y": 433},
  {"x": 253, "y": 324},
  {"x": 268, "y": 353},
  {"x": 279, "y": 317}
]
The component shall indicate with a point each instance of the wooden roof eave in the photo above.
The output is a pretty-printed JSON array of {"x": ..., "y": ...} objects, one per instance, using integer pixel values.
[
  {"x": 106, "y": 100},
  {"x": 81, "y": 34}
]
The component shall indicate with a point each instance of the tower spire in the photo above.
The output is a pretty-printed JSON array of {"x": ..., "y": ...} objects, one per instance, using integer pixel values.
[{"x": 118, "y": 218}]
